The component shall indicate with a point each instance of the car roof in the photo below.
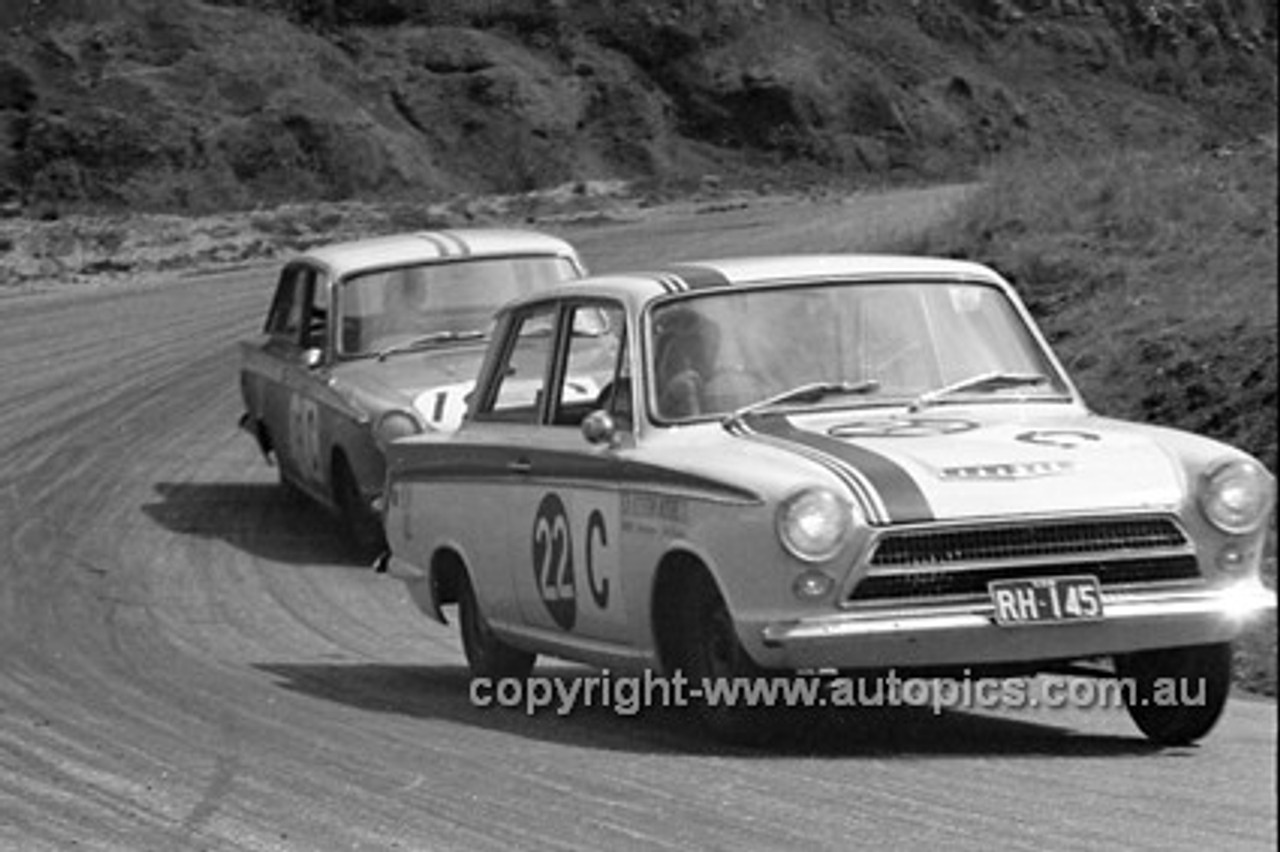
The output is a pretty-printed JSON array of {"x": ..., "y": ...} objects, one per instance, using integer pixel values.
[
  {"x": 775, "y": 270},
  {"x": 433, "y": 246}
]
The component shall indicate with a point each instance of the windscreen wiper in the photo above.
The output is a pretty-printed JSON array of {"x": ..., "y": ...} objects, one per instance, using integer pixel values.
[
  {"x": 809, "y": 392},
  {"x": 981, "y": 382},
  {"x": 431, "y": 339}
]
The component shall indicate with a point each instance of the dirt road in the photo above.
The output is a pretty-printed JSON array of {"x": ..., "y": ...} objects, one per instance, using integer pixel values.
[{"x": 189, "y": 660}]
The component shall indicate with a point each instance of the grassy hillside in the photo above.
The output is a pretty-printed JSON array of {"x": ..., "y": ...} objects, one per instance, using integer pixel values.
[
  {"x": 1153, "y": 274},
  {"x": 204, "y": 105}
]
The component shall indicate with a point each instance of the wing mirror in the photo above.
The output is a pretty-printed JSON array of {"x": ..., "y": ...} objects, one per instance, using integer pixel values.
[
  {"x": 598, "y": 428},
  {"x": 312, "y": 357}
]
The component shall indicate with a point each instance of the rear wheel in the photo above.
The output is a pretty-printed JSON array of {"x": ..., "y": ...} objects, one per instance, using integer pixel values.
[
  {"x": 290, "y": 491},
  {"x": 487, "y": 655},
  {"x": 1180, "y": 692},
  {"x": 288, "y": 487}
]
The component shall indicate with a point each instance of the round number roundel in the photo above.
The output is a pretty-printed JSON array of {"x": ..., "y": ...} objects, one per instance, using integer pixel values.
[
  {"x": 1067, "y": 439},
  {"x": 916, "y": 427},
  {"x": 553, "y": 561}
]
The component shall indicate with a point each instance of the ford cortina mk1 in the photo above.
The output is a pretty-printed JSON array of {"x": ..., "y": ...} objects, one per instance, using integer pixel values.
[
  {"x": 371, "y": 340},
  {"x": 839, "y": 464}
]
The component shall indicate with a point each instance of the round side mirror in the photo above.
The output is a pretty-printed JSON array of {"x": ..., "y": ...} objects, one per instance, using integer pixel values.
[{"x": 598, "y": 427}]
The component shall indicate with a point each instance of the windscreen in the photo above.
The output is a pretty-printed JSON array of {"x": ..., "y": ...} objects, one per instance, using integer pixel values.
[
  {"x": 394, "y": 307},
  {"x": 712, "y": 353}
]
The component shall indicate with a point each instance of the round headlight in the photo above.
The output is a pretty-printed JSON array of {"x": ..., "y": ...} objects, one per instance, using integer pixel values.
[
  {"x": 813, "y": 523},
  {"x": 1236, "y": 496},
  {"x": 395, "y": 424}
]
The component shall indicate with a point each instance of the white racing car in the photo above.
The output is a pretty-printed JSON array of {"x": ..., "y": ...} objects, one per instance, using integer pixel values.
[
  {"x": 370, "y": 340},
  {"x": 821, "y": 463}
]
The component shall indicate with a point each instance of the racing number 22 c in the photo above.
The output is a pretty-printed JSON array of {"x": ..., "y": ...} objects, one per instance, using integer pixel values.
[{"x": 553, "y": 566}]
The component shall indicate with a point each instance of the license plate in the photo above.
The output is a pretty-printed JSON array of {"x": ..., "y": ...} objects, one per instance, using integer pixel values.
[{"x": 1046, "y": 600}]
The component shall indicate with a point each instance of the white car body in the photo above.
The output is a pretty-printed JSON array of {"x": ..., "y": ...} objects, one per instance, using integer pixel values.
[{"x": 577, "y": 525}]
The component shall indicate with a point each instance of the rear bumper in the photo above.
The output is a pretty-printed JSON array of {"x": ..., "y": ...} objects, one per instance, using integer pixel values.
[{"x": 968, "y": 635}]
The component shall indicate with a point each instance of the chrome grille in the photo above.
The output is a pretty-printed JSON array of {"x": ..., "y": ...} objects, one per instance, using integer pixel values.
[
  {"x": 936, "y": 584},
  {"x": 928, "y": 548},
  {"x": 956, "y": 562}
]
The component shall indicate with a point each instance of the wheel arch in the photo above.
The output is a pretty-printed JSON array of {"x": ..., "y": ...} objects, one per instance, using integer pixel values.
[
  {"x": 355, "y": 448},
  {"x": 263, "y": 435},
  {"x": 674, "y": 572},
  {"x": 445, "y": 574},
  {"x": 338, "y": 464}
]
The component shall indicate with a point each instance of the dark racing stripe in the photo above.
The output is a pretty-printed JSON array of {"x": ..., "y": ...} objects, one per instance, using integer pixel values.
[
  {"x": 901, "y": 497},
  {"x": 668, "y": 282},
  {"x": 463, "y": 248},
  {"x": 699, "y": 277},
  {"x": 440, "y": 245},
  {"x": 481, "y": 463},
  {"x": 864, "y": 496}
]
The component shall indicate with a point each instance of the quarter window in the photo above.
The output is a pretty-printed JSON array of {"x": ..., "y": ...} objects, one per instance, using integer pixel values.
[
  {"x": 317, "y": 314},
  {"x": 593, "y": 365},
  {"x": 522, "y": 377},
  {"x": 296, "y": 308}
]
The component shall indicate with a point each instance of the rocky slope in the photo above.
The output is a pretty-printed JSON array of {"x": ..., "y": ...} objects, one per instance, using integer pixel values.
[{"x": 185, "y": 105}]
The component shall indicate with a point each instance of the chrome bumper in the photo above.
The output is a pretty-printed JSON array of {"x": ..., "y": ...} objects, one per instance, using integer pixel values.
[{"x": 968, "y": 635}]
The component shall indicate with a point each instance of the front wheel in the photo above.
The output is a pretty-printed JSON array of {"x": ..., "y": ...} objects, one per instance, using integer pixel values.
[
  {"x": 487, "y": 655},
  {"x": 1179, "y": 693},
  {"x": 714, "y": 661},
  {"x": 363, "y": 525}
]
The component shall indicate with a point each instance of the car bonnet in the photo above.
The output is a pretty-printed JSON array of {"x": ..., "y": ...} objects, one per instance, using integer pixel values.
[{"x": 964, "y": 464}]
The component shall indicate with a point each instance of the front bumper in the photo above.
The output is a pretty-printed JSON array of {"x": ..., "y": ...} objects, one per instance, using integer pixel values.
[{"x": 965, "y": 635}]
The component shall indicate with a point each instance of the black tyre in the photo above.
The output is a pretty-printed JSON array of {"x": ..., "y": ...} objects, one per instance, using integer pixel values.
[
  {"x": 708, "y": 651},
  {"x": 1180, "y": 692},
  {"x": 487, "y": 655},
  {"x": 291, "y": 492},
  {"x": 363, "y": 525}
]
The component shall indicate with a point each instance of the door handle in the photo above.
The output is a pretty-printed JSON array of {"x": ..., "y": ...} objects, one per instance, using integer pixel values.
[{"x": 520, "y": 466}]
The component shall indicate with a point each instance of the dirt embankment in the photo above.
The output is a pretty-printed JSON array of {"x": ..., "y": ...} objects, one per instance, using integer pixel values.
[{"x": 191, "y": 106}]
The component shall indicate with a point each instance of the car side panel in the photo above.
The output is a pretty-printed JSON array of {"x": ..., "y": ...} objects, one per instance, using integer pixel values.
[
  {"x": 563, "y": 517},
  {"x": 565, "y": 551},
  {"x": 450, "y": 496},
  {"x": 299, "y": 405},
  {"x": 269, "y": 373},
  {"x": 257, "y": 369},
  {"x": 351, "y": 433}
]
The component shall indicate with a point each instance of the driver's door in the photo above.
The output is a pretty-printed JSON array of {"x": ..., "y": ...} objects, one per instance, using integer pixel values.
[{"x": 563, "y": 503}]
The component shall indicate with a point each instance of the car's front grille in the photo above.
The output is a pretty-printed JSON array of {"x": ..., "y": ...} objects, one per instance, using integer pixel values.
[
  {"x": 928, "y": 548},
  {"x": 957, "y": 562},
  {"x": 937, "y": 584}
]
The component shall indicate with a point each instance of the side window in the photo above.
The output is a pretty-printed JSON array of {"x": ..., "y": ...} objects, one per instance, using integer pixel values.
[
  {"x": 317, "y": 312},
  {"x": 523, "y": 375},
  {"x": 616, "y": 397},
  {"x": 298, "y": 312},
  {"x": 285, "y": 318},
  {"x": 593, "y": 356}
]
